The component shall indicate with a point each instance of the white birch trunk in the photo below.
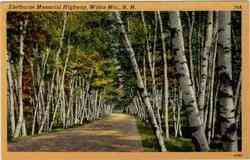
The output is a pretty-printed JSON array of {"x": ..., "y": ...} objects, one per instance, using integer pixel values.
[
  {"x": 204, "y": 65},
  {"x": 11, "y": 98},
  {"x": 226, "y": 104},
  {"x": 20, "y": 76},
  {"x": 165, "y": 99},
  {"x": 189, "y": 98},
  {"x": 140, "y": 84}
]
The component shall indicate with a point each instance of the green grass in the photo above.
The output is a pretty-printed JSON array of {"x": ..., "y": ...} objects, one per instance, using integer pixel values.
[
  {"x": 147, "y": 137},
  {"x": 149, "y": 141},
  {"x": 180, "y": 145}
]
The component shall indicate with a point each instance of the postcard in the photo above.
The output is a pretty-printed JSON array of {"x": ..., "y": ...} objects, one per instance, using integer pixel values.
[{"x": 127, "y": 80}]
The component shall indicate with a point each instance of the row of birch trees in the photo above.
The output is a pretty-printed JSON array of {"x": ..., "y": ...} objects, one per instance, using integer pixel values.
[
  {"x": 195, "y": 58},
  {"x": 52, "y": 81}
]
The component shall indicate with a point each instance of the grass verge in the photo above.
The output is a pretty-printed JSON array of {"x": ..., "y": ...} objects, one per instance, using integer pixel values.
[{"x": 174, "y": 144}]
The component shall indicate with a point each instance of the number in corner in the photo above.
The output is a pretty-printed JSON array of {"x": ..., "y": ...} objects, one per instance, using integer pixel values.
[
  {"x": 238, "y": 155},
  {"x": 238, "y": 7}
]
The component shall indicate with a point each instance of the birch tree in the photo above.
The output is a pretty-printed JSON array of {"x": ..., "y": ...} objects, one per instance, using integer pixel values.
[
  {"x": 189, "y": 99},
  {"x": 11, "y": 97},
  {"x": 23, "y": 25},
  {"x": 140, "y": 84},
  {"x": 164, "y": 52},
  {"x": 226, "y": 104},
  {"x": 204, "y": 65}
]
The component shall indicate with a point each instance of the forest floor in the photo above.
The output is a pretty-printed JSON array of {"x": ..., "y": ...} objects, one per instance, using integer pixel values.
[{"x": 116, "y": 133}]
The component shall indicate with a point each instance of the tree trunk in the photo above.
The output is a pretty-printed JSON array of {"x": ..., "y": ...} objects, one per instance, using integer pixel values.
[
  {"x": 151, "y": 62},
  {"x": 140, "y": 84},
  {"x": 144, "y": 70},
  {"x": 11, "y": 98},
  {"x": 24, "y": 131},
  {"x": 20, "y": 76},
  {"x": 34, "y": 120},
  {"x": 204, "y": 65},
  {"x": 46, "y": 112},
  {"x": 165, "y": 99},
  {"x": 237, "y": 98},
  {"x": 189, "y": 98},
  {"x": 174, "y": 110},
  {"x": 179, "y": 112},
  {"x": 226, "y": 105},
  {"x": 191, "y": 21},
  {"x": 212, "y": 99},
  {"x": 57, "y": 55}
]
